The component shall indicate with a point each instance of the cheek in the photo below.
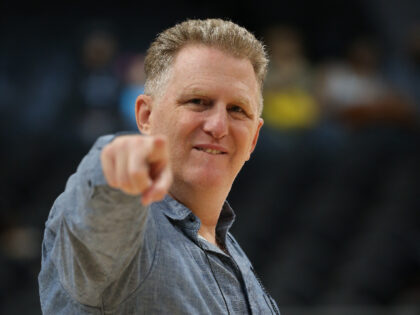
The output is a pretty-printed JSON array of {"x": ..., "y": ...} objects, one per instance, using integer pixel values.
[
  {"x": 180, "y": 131},
  {"x": 163, "y": 123},
  {"x": 244, "y": 138},
  {"x": 189, "y": 123},
  {"x": 156, "y": 121}
]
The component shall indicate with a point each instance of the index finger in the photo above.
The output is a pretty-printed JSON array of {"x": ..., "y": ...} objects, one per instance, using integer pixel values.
[
  {"x": 160, "y": 170},
  {"x": 159, "y": 188},
  {"x": 158, "y": 151}
]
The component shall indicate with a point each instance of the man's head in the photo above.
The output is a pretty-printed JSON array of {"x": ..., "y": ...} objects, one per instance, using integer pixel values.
[
  {"x": 208, "y": 107},
  {"x": 217, "y": 33}
]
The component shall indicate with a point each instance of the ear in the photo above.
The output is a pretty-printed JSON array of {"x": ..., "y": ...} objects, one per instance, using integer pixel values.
[
  {"x": 143, "y": 111},
  {"x": 257, "y": 133}
]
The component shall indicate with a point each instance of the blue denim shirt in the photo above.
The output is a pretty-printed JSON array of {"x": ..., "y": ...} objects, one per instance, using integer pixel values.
[{"x": 105, "y": 253}]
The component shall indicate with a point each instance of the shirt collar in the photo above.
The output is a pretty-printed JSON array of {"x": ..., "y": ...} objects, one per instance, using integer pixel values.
[
  {"x": 226, "y": 219},
  {"x": 173, "y": 209},
  {"x": 180, "y": 213}
]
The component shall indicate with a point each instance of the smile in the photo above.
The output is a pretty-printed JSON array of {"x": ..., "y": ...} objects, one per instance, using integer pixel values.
[{"x": 211, "y": 151}]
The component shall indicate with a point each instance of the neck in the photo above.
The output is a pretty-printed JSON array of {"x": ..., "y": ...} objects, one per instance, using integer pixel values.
[{"x": 205, "y": 204}]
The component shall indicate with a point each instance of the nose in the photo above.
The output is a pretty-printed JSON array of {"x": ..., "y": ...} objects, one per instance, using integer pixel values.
[{"x": 216, "y": 122}]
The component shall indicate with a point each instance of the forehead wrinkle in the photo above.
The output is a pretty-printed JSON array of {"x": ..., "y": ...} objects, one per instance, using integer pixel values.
[
  {"x": 190, "y": 72},
  {"x": 195, "y": 89}
]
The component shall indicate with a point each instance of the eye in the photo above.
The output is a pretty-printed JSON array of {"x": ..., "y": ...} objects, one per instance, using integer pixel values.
[
  {"x": 237, "y": 109},
  {"x": 198, "y": 104},
  {"x": 197, "y": 101}
]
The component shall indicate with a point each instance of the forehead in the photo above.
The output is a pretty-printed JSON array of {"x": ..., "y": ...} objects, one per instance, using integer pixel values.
[{"x": 202, "y": 67}]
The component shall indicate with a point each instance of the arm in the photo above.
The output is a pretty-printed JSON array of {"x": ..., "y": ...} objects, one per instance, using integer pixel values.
[{"x": 96, "y": 226}]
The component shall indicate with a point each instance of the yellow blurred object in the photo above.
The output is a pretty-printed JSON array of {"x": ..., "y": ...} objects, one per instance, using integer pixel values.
[{"x": 290, "y": 108}]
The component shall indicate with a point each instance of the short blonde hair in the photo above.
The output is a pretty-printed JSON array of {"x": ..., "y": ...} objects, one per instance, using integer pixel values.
[{"x": 225, "y": 35}]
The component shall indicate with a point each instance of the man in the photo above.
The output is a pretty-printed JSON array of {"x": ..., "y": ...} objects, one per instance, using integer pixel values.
[{"x": 107, "y": 252}]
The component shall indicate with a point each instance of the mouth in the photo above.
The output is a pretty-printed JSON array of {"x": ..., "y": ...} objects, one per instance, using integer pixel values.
[{"x": 210, "y": 150}]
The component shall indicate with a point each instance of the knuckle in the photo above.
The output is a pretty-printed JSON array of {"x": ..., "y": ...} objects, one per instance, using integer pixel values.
[
  {"x": 134, "y": 142},
  {"x": 143, "y": 184},
  {"x": 137, "y": 173},
  {"x": 139, "y": 139},
  {"x": 123, "y": 182},
  {"x": 106, "y": 151}
]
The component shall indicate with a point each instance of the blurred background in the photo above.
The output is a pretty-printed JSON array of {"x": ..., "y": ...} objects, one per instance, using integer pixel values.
[{"x": 328, "y": 208}]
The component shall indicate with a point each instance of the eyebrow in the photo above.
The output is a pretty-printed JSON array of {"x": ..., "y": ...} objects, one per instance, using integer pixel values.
[{"x": 240, "y": 100}]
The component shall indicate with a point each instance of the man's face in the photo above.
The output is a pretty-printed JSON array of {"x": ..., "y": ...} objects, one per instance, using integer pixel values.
[{"x": 209, "y": 113}]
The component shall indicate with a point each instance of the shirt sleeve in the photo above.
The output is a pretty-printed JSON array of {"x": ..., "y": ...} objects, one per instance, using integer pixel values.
[{"x": 93, "y": 231}]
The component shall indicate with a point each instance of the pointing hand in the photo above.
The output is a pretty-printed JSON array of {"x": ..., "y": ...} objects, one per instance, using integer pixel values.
[{"x": 138, "y": 164}]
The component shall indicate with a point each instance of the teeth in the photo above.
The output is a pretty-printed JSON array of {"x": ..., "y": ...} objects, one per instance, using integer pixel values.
[{"x": 211, "y": 151}]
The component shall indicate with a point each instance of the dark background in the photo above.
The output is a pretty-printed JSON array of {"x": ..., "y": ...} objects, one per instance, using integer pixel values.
[{"x": 328, "y": 207}]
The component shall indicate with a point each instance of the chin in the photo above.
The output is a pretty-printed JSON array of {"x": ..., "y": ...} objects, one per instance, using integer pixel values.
[{"x": 206, "y": 179}]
